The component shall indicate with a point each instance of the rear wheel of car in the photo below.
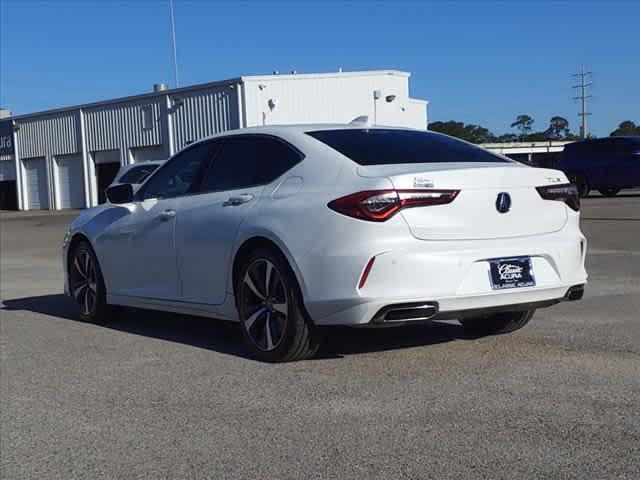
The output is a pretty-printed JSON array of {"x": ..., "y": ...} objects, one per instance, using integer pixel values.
[
  {"x": 497, "y": 323},
  {"x": 609, "y": 192},
  {"x": 274, "y": 323},
  {"x": 86, "y": 284},
  {"x": 580, "y": 182}
]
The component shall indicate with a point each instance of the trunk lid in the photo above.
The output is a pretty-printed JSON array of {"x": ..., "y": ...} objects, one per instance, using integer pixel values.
[{"x": 474, "y": 213}]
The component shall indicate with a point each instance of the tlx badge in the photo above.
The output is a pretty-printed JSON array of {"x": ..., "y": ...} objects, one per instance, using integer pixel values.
[{"x": 421, "y": 182}]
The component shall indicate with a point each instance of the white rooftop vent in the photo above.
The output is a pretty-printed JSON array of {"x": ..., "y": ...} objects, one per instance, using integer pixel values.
[{"x": 159, "y": 87}]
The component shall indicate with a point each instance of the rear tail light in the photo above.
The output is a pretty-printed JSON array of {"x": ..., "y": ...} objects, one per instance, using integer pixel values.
[
  {"x": 567, "y": 193},
  {"x": 381, "y": 205}
]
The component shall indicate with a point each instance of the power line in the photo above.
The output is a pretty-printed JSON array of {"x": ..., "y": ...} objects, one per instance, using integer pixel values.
[{"x": 582, "y": 89}]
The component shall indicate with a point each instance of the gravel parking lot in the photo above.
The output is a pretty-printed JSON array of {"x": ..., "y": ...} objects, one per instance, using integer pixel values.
[{"x": 159, "y": 396}]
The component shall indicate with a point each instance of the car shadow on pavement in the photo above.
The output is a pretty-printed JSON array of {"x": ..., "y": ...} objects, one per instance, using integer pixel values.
[
  {"x": 344, "y": 341},
  {"x": 226, "y": 337},
  {"x": 200, "y": 332}
]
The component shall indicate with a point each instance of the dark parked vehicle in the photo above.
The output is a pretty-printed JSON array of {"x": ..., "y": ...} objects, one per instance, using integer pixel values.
[{"x": 605, "y": 164}]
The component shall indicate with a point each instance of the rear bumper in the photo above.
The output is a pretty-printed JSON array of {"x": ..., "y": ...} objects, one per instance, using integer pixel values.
[
  {"x": 408, "y": 312},
  {"x": 453, "y": 275},
  {"x": 373, "y": 312}
]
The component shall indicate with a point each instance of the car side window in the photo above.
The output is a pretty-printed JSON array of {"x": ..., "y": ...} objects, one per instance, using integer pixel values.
[
  {"x": 249, "y": 160},
  {"x": 178, "y": 175}
]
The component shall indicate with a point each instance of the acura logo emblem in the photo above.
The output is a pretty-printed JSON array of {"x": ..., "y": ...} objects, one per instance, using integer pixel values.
[{"x": 503, "y": 202}]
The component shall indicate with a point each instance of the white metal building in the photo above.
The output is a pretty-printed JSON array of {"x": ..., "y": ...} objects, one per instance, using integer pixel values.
[{"x": 64, "y": 158}]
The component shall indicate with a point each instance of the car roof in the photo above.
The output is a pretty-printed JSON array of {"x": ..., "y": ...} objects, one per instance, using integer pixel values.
[
  {"x": 142, "y": 164},
  {"x": 291, "y": 131},
  {"x": 301, "y": 129},
  {"x": 591, "y": 141}
]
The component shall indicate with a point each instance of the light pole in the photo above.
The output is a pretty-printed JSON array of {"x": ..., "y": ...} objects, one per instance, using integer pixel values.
[
  {"x": 377, "y": 94},
  {"x": 173, "y": 44}
]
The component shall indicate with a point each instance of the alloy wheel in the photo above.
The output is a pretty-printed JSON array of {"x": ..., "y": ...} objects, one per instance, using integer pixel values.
[
  {"x": 263, "y": 304},
  {"x": 84, "y": 283}
]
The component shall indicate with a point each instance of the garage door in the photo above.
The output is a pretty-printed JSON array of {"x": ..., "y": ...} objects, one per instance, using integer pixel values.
[
  {"x": 106, "y": 173},
  {"x": 107, "y": 166},
  {"x": 36, "y": 183},
  {"x": 70, "y": 181},
  {"x": 8, "y": 195}
]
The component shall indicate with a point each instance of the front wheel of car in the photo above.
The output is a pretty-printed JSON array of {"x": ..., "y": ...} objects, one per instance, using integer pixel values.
[
  {"x": 86, "y": 284},
  {"x": 497, "y": 323},
  {"x": 274, "y": 323}
]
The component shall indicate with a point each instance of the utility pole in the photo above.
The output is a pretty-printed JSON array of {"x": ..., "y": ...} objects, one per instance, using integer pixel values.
[
  {"x": 173, "y": 44},
  {"x": 582, "y": 88}
]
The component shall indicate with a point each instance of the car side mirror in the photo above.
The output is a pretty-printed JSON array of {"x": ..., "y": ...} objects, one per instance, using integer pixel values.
[{"x": 122, "y": 193}]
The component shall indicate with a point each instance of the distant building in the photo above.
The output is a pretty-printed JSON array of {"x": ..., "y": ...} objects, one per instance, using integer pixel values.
[
  {"x": 65, "y": 158},
  {"x": 537, "y": 154}
]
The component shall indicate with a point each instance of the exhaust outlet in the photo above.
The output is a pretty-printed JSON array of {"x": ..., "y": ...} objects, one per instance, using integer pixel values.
[
  {"x": 404, "y": 312},
  {"x": 574, "y": 293}
]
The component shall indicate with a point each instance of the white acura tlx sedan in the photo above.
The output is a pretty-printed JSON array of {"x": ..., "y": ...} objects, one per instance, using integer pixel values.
[{"x": 287, "y": 228}]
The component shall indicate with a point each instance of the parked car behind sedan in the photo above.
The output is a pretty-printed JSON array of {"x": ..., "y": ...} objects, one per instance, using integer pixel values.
[
  {"x": 136, "y": 173},
  {"x": 604, "y": 164}
]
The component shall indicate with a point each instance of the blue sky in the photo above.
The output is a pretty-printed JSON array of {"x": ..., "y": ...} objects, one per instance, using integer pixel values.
[{"x": 477, "y": 62}]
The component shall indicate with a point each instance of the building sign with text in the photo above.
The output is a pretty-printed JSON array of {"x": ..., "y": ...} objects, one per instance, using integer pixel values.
[{"x": 6, "y": 138}]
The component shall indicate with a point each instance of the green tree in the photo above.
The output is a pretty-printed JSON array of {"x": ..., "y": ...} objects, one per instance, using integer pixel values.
[
  {"x": 524, "y": 123},
  {"x": 470, "y": 133},
  {"x": 558, "y": 128},
  {"x": 536, "y": 137},
  {"x": 507, "y": 138},
  {"x": 626, "y": 128}
]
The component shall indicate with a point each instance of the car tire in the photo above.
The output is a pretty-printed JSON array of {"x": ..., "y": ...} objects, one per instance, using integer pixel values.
[
  {"x": 581, "y": 184},
  {"x": 609, "y": 192},
  {"x": 86, "y": 284},
  {"x": 274, "y": 322},
  {"x": 497, "y": 323}
]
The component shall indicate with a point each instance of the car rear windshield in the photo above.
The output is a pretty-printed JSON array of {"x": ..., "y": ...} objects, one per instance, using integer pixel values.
[
  {"x": 390, "y": 146},
  {"x": 138, "y": 174}
]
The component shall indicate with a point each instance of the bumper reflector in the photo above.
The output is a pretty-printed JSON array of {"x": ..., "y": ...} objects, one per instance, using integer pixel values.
[{"x": 366, "y": 271}]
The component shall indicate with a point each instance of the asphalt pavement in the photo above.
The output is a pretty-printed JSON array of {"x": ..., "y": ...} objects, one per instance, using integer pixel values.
[{"x": 161, "y": 396}]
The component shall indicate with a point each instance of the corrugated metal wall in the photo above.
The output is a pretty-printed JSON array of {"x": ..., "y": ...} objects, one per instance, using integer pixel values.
[
  {"x": 122, "y": 126},
  {"x": 47, "y": 136},
  {"x": 126, "y": 126},
  {"x": 198, "y": 114}
]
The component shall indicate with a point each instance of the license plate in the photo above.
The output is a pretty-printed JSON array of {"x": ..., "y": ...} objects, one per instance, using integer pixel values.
[{"x": 511, "y": 273}]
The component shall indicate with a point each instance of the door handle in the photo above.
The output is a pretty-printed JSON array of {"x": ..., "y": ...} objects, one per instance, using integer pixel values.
[
  {"x": 167, "y": 215},
  {"x": 239, "y": 199}
]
